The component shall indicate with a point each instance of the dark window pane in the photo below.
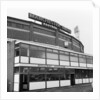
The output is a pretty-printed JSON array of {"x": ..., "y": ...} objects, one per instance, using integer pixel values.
[
  {"x": 16, "y": 69},
  {"x": 26, "y": 27},
  {"x": 34, "y": 69},
  {"x": 37, "y": 77},
  {"x": 50, "y": 69},
  {"x": 67, "y": 76},
  {"x": 19, "y": 25},
  {"x": 42, "y": 69},
  {"x": 37, "y": 52},
  {"x": 24, "y": 50},
  {"x": 24, "y": 70},
  {"x": 9, "y": 23},
  {"x": 62, "y": 77},
  {"x": 16, "y": 52},
  {"x": 52, "y": 77}
]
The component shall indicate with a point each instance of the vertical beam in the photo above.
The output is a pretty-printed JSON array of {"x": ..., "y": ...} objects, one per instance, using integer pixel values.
[
  {"x": 56, "y": 39},
  {"x": 31, "y": 34},
  {"x": 69, "y": 60},
  {"x": 10, "y": 65},
  {"x": 78, "y": 61}
]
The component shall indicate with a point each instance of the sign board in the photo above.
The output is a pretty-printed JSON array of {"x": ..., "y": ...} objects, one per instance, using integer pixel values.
[
  {"x": 49, "y": 22},
  {"x": 66, "y": 43}
]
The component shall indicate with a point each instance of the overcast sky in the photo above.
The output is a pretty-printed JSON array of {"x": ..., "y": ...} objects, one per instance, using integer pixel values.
[{"x": 66, "y": 13}]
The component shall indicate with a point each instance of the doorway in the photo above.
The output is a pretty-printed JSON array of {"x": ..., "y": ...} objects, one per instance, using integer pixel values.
[
  {"x": 72, "y": 79},
  {"x": 24, "y": 82}
]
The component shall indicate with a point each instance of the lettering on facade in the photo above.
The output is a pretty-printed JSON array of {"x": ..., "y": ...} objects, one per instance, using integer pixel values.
[{"x": 49, "y": 22}]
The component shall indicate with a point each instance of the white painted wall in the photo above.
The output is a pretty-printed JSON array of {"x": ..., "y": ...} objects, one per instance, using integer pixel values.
[
  {"x": 84, "y": 80},
  {"x": 87, "y": 80},
  {"x": 24, "y": 59},
  {"x": 74, "y": 64},
  {"x": 54, "y": 62},
  {"x": 16, "y": 86},
  {"x": 76, "y": 81},
  {"x": 37, "y": 60},
  {"x": 16, "y": 78},
  {"x": 65, "y": 83},
  {"x": 91, "y": 79},
  {"x": 83, "y": 64},
  {"x": 89, "y": 65},
  {"x": 36, "y": 85},
  {"x": 52, "y": 84},
  {"x": 17, "y": 59},
  {"x": 64, "y": 63},
  {"x": 80, "y": 81}
]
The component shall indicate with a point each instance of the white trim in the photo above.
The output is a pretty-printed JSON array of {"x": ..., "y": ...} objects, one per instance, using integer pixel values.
[
  {"x": 13, "y": 28},
  {"x": 27, "y": 65},
  {"x": 36, "y": 65},
  {"x": 37, "y": 60},
  {"x": 42, "y": 34},
  {"x": 53, "y": 62},
  {"x": 74, "y": 63},
  {"x": 66, "y": 63}
]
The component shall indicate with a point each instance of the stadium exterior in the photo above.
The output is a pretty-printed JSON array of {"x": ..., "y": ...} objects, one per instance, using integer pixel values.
[{"x": 44, "y": 55}]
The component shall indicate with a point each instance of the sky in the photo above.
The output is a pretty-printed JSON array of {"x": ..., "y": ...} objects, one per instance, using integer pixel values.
[{"x": 67, "y": 13}]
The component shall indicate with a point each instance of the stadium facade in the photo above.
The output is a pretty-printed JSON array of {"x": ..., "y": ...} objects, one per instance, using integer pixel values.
[{"x": 43, "y": 54}]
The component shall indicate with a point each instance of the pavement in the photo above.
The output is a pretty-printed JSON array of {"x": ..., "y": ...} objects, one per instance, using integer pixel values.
[{"x": 87, "y": 87}]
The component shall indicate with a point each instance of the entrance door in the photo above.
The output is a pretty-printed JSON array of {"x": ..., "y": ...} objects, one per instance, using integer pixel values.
[
  {"x": 72, "y": 79},
  {"x": 24, "y": 82}
]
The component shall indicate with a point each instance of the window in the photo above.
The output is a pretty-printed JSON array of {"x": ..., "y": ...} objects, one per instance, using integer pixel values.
[
  {"x": 19, "y": 25},
  {"x": 42, "y": 69},
  {"x": 64, "y": 57},
  {"x": 16, "y": 69},
  {"x": 89, "y": 59},
  {"x": 26, "y": 27},
  {"x": 37, "y": 77},
  {"x": 34, "y": 69},
  {"x": 37, "y": 52},
  {"x": 24, "y": 50},
  {"x": 73, "y": 57},
  {"x": 62, "y": 77},
  {"x": 52, "y": 54},
  {"x": 16, "y": 52},
  {"x": 24, "y": 69},
  {"x": 82, "y": 60},
  {"x": 78, "y": 73},
  {"x": 9, "y": 23},
  {"x": 52, "y": 77}
]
